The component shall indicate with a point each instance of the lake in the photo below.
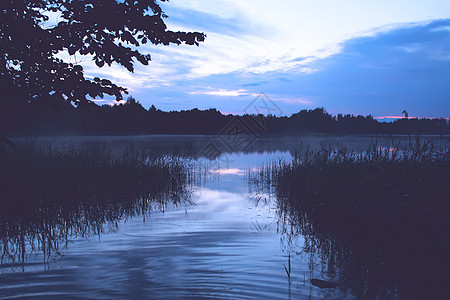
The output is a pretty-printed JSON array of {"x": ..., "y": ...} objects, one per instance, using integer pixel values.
[{"x": 223, "y": 240}]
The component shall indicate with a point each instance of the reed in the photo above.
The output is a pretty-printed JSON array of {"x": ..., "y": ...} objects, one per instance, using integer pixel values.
[
  {"x": 49, "y": 196},
  {"x": 380, "y": 217}
]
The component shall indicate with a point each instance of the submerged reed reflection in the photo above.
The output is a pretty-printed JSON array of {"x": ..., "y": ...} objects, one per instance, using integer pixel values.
[
  {"x": 51, "y": 196},
  {"x": 376, "y": 221}
]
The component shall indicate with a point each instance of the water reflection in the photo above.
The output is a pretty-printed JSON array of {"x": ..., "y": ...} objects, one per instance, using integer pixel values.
[
  {"x": 53, "y": 196},
  {"x": 224, "y": 246},
  {"x": 208, "y": 250},
  {"x": 374, "y": 261}
]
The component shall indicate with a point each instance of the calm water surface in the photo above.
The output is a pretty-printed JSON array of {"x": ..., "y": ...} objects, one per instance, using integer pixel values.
[{"x": 223, "y": 243}]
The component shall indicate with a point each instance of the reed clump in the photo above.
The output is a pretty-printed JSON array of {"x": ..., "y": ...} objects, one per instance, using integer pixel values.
[
  {"x": 380, "y": 217},
  {"x": 379, "y": 182},
  {"x": 51, "y": 195}
]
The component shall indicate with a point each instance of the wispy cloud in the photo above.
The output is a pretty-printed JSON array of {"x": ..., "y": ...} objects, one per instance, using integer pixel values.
[
  {"x": 258, "y": 37},
  {"x": 441, "y": 28},
  {"x": 244, "y": 92},
  {"x": 224, "y": 93},
  {"x": 108, "y": 101},
  {"x": 268, "y": 37},
  {"x": 292, "y": 100}
]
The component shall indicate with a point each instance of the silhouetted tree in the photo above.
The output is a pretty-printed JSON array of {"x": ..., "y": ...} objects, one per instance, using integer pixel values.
[
  {"x": 29, "y": 43},
  {"x": 405, "y": 113},
  {"x": 56, "y": 117}
]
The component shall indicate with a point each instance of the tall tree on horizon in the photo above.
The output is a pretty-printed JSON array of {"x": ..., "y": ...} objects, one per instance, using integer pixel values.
[
  {"x": 405, "y": 113},
  {"x": 108, "y": 31}
]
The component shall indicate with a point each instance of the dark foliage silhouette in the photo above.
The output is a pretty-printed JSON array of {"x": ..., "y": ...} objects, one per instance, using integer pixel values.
[
  {"x": 107, "y": 31},
  {"x": 132, "y": 118}
]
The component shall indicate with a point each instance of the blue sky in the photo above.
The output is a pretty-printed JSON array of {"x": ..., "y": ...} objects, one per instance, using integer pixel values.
[{"x": 353, "y": 56}]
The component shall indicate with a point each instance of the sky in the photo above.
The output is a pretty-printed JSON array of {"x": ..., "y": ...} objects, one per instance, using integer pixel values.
[{"x": 353, "y": 56}]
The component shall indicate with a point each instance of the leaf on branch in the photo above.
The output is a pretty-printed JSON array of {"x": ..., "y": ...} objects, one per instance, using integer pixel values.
[
  {"x": 106, "y": 82},
  {"x": 72, "y": 50},
  {"x": 128, "y": 37},
  {"x": 99, "y": 63},
  {"x": 143, "y": 59}
]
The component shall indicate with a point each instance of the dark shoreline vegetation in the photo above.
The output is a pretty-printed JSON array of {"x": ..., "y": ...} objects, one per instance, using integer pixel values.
[
  {"x": 52, "y": 195},
  {"x": 51, "y": 117},
  {"x": 378, "y": 219}
]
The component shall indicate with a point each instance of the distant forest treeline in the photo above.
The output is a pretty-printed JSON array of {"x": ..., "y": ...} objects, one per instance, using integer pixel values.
[{"x": 133, "y": 118}]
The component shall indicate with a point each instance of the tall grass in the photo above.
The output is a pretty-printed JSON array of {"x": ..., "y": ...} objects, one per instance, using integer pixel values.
[
  {"x": 381, "y": 217},
  {"x": 51, "y": 195}
]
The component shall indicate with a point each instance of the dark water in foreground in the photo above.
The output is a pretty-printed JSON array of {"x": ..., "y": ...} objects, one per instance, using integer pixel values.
[{"x": 222, "y": 242}]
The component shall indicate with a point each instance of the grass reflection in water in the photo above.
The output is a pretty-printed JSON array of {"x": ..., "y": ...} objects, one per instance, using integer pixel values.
[
  {"x": 50, "y": 196},
  {"x": 378, "y": 220}
]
